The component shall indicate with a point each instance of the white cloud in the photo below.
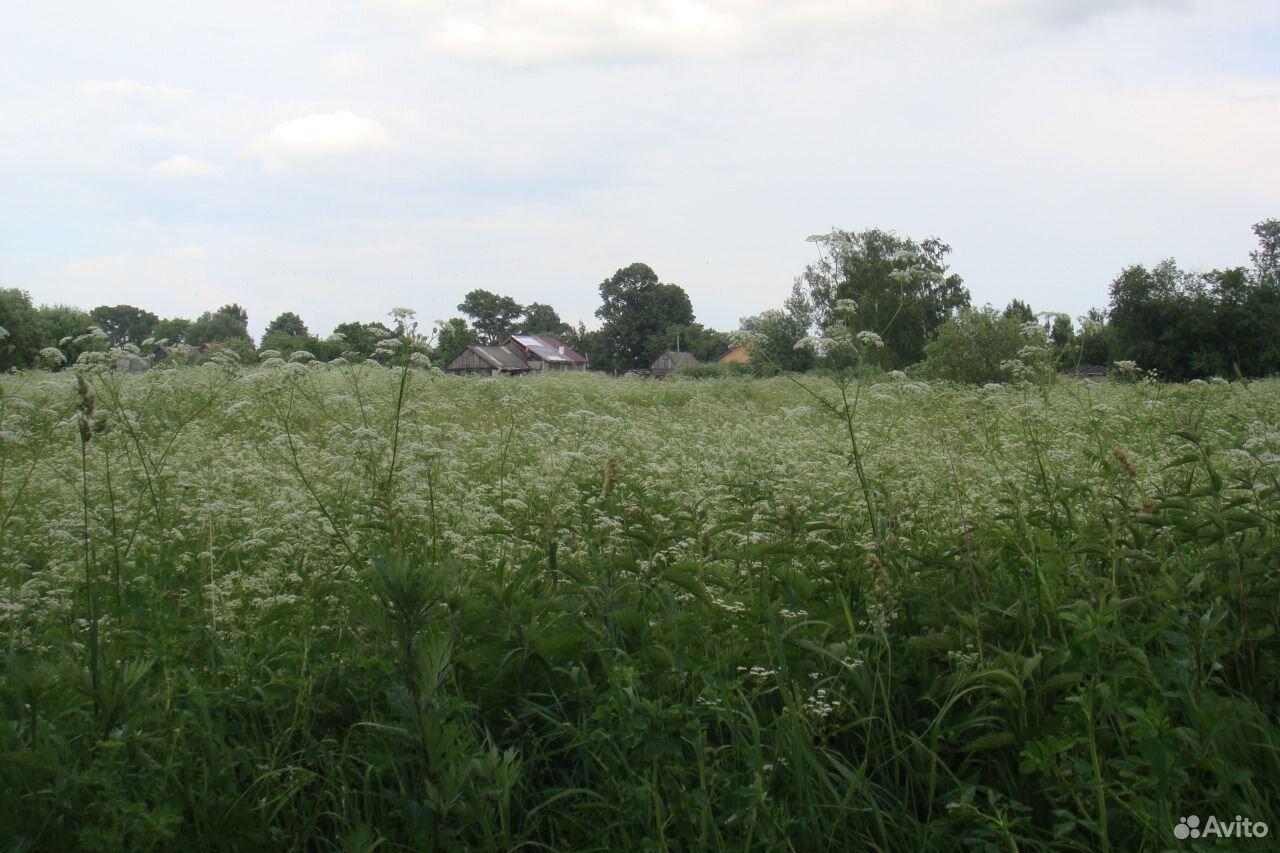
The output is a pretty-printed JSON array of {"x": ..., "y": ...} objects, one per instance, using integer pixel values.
[
  {"x": 182, "y": 166},
  {"x": 188, "y": 253},
  {"x": 520, "y": 32},
  {"x": 538, "y": 32},
  {"x": 129, "y": 89},
  {"x": 347, "y": 64},
  {"x": 320, "y": 136}
]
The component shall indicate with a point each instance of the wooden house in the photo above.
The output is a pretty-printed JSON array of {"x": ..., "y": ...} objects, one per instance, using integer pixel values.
[
  {"x": 736, "y": 355},
  {"x": 670, "y": 361},
  {"x": 488, "y": 361},
  {"x": 543, "y": 352}
]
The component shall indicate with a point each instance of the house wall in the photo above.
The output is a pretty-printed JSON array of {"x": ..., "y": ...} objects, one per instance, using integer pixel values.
[
  {"x": 737, "y": 355},
  {"x": 468, "y": 360}
]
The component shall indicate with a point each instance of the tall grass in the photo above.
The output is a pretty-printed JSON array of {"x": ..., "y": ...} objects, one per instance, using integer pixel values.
[{"x": 352, "y": 607}]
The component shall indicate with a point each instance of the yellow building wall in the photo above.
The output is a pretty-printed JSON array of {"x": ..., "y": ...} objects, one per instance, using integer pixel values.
[{"x": 737, "y": 355}]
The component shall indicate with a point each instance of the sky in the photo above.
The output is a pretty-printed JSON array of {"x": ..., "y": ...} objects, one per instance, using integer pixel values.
[{"x": 340, "y": 159}]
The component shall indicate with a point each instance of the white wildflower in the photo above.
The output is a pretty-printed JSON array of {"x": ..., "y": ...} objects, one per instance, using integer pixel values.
[{"x": 870, "y": 339}]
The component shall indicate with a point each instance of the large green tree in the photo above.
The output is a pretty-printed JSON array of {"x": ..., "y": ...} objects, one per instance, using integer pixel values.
[
  {"x": 287, "y": 323},
  {"x": 452, "y": 337},
  {"x": 287, "y": 334},
  {"x": 1186, "y": 325},
  {"x": 1152, "y": 313},
  {"x": 228, "y": 323},
  {"x": 705, "y": 344},
  {"x": 542, "y": 319},
  {"x": 590, "y": 343},
  {"x": 125, "y": 324},
  {"x": 1266, "y": 258},
  {"x": 67, "y": 328},
  {"x": 902, "y": 288},
  {"x": 493, "y": 316},
  {"x": 976, "y": 345},
  {"x": 775, "y": 337},
  {"x": 635, "y": 308},
  {"x": 172, "y": 329},
  {"x": 19, "y": 337},
  {"x": 361, "y": 339}
]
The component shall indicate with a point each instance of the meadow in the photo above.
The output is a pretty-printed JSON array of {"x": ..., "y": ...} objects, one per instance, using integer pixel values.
[{"x": 356, "y": 607}]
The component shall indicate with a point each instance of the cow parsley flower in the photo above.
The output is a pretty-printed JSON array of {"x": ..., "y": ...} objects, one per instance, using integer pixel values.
[{"x": 870, "y": 339}]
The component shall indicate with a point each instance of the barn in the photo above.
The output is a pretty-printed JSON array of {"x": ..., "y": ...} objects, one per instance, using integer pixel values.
[
  {"x": 488, "y": 361},
  {"x": 670, "y": 361}
]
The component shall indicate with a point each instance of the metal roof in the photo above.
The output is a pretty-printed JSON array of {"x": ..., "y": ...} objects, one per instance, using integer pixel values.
[{"x": 549, "y": 349}]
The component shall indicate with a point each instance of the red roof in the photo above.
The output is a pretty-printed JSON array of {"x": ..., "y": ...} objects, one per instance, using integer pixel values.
[{"x": 548, "y": 348}]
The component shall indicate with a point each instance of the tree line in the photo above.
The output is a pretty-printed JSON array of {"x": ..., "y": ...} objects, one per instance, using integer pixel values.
[{"x": 872, "y": 296}]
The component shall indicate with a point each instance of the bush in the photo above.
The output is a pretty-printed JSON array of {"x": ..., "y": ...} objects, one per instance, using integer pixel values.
[{"x": 974, "y": 347}]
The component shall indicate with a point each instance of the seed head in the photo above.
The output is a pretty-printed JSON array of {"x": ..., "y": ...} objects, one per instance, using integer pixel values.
[
  {"x": 610, "y": 477},
  {"x": 1122, "y": 460},
  {"x": 86, "y": 395}
]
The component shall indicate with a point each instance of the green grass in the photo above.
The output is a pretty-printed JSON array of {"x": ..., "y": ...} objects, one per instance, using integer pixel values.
[{"x": 338, "y": 607}]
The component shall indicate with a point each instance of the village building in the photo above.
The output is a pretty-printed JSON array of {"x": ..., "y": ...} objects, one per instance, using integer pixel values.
[
  {"x": 670, "y": 361},
  {"x": 736, "y": 355},
  {"x": 488, "y": 361},
  {"x": 516, "y": 355},
  {"x": 543, "y": 352}
]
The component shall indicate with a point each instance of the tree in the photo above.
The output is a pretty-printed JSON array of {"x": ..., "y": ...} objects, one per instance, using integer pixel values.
[
  {"x": 636, "y": 307},
  {"x": 542, "y": 319},
  {"x": 288, "y": 334},
  {"x": 172, "y": 329},
  {"x": 705, "y": 344},
  {"x": 1020, "y": 311},
  {"x": 19, "y": 339},
  {"x": 452, "y": 337},
  {"x": 287, "y": 323},
  {"x": 228, "y": 323},
  {"x": 775, "y": 337},
  {"x": 1095, "y": 343},
  {"x": 1149, "y": 313},
  {"x": 975, "y": 346},
  {"x": 493, "y": 316},
  {"x": 125, "y": 324},
  {"x": 66, "y": 328},
  {"x": 1062, "y": 337},
  {"x": 361, "y": 339},
  {"x": 1246, "y": 317},
  {"x": 901, "y": 288},
  {"x": 1266, "y": 258},
  {"x": 588, "y": 342}
]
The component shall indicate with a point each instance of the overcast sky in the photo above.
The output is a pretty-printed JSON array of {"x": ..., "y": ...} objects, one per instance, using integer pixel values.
[{"x": 341, "y": 159}]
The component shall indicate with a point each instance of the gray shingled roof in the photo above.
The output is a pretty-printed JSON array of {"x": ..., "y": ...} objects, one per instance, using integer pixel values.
[
  {"x": 678, "y": 359},
  {"x": 503, "y": 358}
]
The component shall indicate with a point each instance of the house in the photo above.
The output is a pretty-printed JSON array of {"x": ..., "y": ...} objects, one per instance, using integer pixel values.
[
  {"x": 183, "y": 350},
  {"x": 543, "y": 352},
  {"x": 132, "y": 364},
  {"x": 736, "y": 355},
  {"x": 489, "y": 361},
  {"x": 670, "y": 361}
]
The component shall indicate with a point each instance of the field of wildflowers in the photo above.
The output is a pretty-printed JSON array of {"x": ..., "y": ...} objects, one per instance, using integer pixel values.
[{"x": 356, "y": 607}]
